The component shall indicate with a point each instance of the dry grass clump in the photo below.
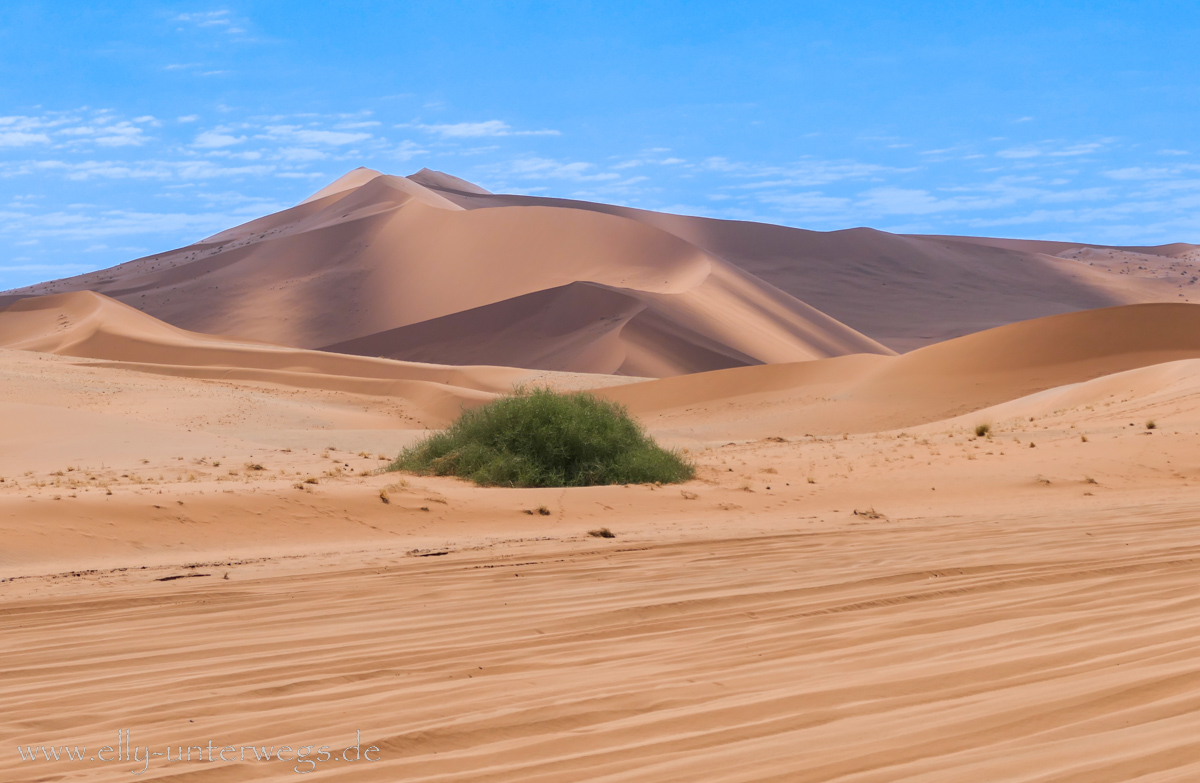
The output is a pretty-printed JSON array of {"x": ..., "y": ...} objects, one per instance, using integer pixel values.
[{"x": 602, "y": 532}]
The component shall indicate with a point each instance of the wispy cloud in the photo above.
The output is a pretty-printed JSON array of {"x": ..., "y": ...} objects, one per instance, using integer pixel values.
[
  {"x": 22, "y": 138},
  {"x": 303, "y": 135},
  {"x": 474, "y": 130},
  {"x": 215, "y": 139},
  {"x": 205, "y": 18},
  {"x": 220, "y": 20}
]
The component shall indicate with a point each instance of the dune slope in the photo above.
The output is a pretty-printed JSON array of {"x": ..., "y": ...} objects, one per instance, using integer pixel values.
[
  {"x": 92, "y": 326},
  {"x": 872, "y": 393}
]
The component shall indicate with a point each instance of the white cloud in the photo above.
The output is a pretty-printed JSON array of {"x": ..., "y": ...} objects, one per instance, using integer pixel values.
[
  {"x": 106, "y": 132},
  {"x": 216, "y": 140},
  {"x": 407, "y": 150},
  {"x": 545, "y": 168},
  {"x": 136, "y": 170},
  {"x": 1018, "y": 153},
  {"x": 90, "y": 227},
  {"x": 188, "y": 118},
  {"x": 298, "y": 154},
  {"x": 205, "y": 18},
  {"x": 297, "y": 134},
  {"x": 21, "y": 138},
  {"x": 474, "y": 130}
]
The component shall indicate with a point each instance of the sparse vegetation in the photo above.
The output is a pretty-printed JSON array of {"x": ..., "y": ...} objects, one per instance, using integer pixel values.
[
  {"x": 982, "y": 430},
  {"x": 602, "y": 533},
  {"x": 1150, "y": 425},
  {"x": 540, "y": 438}
]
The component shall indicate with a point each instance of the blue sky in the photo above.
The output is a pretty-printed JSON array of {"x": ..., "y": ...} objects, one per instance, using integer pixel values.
[{"x": 133, "y": 127}]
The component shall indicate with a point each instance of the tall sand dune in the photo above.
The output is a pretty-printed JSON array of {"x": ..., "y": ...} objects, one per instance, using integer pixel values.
[{"x": 371, "y": 255}]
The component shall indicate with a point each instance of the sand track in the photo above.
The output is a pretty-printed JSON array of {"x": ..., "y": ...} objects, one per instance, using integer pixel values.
[{"x": 928, "y": 649}]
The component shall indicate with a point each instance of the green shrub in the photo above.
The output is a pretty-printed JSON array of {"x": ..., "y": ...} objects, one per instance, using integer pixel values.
[
  {"x": 540, "y": 438},
  {"x": 1150, "y": 425},
  {"x": 982, "y": 430}
]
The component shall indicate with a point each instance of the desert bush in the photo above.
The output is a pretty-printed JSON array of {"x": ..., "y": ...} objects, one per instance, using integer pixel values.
[
  {"x": 541, "y": 438},
  {"x": 982, "y": 430},
  {"x": 1150, "y": 425}
]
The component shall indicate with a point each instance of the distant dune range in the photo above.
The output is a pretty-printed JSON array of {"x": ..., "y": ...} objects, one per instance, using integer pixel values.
[{"x": 433, "y": 268}]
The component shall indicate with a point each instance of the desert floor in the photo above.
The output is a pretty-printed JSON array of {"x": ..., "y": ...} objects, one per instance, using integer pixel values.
[{"x": 914, "y": 604}]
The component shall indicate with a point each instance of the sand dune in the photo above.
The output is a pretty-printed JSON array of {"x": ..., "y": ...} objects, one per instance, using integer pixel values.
[
  {"x": 372, "y": 255},
  {"x": 910, "y": 291},
  {"x": 872, "y": 393},
  {"x": 93, "y": 326}
]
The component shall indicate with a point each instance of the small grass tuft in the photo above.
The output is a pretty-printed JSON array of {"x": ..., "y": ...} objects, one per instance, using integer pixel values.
[
  {"x": 602, "y": 533},
  {"x": 541, "y": 438},
  {"x": 982, "y": 430},
  {"x": 1151, "y": 425}
]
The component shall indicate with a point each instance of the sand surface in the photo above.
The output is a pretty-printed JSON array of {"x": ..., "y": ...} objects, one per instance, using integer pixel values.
[{"x": 199, "y": 545}]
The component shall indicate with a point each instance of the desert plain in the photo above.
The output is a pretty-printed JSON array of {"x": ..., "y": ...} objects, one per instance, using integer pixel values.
[{"x": 945, "y": 524}]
